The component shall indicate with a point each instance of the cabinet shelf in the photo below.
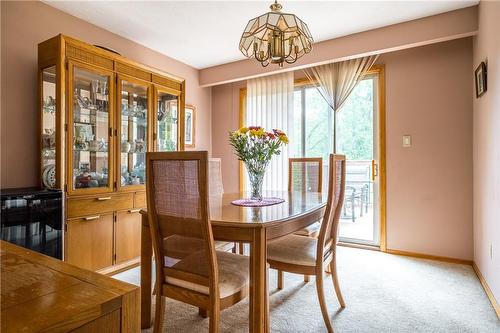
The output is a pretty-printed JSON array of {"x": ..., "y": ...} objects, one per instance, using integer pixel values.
[
  {"x": 134, "y": 152},
  {"x": 90, "y": 151}
]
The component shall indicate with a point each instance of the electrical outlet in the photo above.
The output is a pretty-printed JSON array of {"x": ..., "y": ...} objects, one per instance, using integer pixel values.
[{"x": 491, "y": 251}]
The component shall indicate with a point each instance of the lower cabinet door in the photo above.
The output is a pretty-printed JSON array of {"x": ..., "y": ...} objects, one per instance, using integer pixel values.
[
  {"x": 127, "y": 235},
  {"x": 90, "y": 241}
]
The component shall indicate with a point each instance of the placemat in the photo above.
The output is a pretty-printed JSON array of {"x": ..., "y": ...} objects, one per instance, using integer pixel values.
[{"x": 257, "y": 203}]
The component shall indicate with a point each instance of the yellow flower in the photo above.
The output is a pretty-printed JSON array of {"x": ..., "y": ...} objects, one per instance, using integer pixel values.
[
  {"x": 243, "y": 130},
  {"x": 258, "y": 133},
  {"x": 283, "y": 138}
]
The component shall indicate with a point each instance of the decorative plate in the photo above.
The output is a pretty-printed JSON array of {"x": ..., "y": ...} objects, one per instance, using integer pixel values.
[{"x": 49, "y": 176}]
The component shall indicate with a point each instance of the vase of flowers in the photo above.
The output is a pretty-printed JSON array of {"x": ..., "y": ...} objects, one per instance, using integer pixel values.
[{"x": 255, "y": 147}]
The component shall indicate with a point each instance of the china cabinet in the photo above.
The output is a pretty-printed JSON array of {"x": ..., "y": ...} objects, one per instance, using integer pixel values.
[{"x": 99, "y": 114}]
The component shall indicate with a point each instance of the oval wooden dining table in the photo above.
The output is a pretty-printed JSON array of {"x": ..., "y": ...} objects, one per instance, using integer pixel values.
[{"x": 252, "y": 225}]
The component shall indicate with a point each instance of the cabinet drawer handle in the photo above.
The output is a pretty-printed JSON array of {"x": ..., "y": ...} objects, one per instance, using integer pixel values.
[
  {"x": 89, "y": 218},
  {"x": 134, "y": 210},
  {"x": 103, "y": 198}
]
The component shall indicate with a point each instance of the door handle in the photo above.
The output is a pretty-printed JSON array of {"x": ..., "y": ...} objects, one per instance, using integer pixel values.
[
  {"x": 103, "y": 198},
  {"x": 134, "y": 210},
  {"x": 89, "y": 218},
  {"x": 374, "y": 170}
]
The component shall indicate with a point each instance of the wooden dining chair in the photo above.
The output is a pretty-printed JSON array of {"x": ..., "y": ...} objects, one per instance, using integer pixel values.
[
  {"x": 178, "y": 212},
  {"x": 215, "y": 186},
  {"x": 307, "y": 255},
  {"x": 305, "y": 174},
  {"x": 216, "y": 190}
]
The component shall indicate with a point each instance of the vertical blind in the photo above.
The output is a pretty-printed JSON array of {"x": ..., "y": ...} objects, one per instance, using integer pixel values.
[{"x": 270, "y": 105}]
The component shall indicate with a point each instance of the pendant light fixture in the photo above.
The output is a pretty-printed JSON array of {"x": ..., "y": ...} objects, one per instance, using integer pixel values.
[{"x": 276, "y": 38}]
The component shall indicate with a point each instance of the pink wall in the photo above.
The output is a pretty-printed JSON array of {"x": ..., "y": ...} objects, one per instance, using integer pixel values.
[
  {"x": 487, "y": 149},
  {"x": 429, "y": 186},
  {"x": 23, "y": 26},
  {"x": 225, "y": 113},
  {"x": 447, "y": 26}
]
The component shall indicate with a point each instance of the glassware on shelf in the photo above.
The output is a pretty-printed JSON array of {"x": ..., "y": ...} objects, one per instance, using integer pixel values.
[
  {"x": 166, "y": 113},
  {"x": 91, "y": 123},
  {"x": 133, "y": 132},
  {"x": 49, "y": 112}
]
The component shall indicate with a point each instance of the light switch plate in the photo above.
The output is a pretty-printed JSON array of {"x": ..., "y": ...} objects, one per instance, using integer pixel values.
[{"x": 406, "y": 141}]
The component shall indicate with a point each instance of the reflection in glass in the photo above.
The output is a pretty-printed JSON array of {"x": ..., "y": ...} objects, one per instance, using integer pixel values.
[
  {"x": 167, "y": 122},
  {"x": 49, "y": 127},
  {"x": 90, "y": 129},
  {"x": 134, "y": 110}
]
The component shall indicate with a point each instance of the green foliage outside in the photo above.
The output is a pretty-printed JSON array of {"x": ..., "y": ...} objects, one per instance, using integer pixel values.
[{"x": 354, "y": 124}]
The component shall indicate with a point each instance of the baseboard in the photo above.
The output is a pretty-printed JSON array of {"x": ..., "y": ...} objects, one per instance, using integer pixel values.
[
  {"x": 429, "y": 256},
  {"x": 487, "y": 290}
]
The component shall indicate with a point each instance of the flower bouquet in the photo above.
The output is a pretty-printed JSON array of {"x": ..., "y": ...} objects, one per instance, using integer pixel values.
[{"x": 255, "y": 147}]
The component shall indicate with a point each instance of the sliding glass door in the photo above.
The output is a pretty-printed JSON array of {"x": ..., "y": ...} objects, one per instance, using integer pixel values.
[{"x": 357, "y": 137}]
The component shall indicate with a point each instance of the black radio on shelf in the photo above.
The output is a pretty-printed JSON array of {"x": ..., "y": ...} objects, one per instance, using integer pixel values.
[{"x": 32, "y": 218}]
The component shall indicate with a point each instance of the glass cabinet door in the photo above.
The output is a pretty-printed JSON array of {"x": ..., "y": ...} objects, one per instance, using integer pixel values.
[
  {"x": 49, "y": 114},
  {"x": 133, "y": 133},
  {"x": 91, "y": 129},
  {"x": 167, "y": 122}
]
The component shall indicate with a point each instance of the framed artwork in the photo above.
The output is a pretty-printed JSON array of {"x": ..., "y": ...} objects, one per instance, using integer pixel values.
[
  {"x": 481, "y": 79},
  {"x": 190, "y": 124}
]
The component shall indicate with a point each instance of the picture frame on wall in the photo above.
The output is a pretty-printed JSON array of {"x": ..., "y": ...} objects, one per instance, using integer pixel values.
[
  {"x": 481, "y": 79},
  {"x": 190, "y": 126}
]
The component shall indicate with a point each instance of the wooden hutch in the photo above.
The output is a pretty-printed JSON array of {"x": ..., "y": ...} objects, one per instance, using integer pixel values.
[{"x": 99, "y": 113}]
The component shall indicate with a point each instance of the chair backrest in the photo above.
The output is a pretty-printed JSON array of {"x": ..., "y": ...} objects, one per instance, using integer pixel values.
[
  {"x": 328, "y": 234},
  {"x": 177, "y": 197},
  {"x": 305, "y": 174},
  {"x": 215, "y": 186}
]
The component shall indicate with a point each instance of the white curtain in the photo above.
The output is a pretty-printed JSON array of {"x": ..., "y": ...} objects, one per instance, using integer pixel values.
[
  {"x": 270, "y": 105},
  {"x": 337, "y": 80}
]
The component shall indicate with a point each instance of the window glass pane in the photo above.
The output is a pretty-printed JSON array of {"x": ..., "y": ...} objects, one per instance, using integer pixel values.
[
  {"x": 167, "y": 121},
  {"x": 49, "y": 126},
  {"x": 355, "y": 123},
  {"x": 318, "y": 126},
  {"x": 91, "y": 123},
  {"x": 133, "y": 130}
]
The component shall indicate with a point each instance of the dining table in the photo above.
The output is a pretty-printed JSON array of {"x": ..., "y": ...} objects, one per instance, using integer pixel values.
[{"x": 255, "y": 226}]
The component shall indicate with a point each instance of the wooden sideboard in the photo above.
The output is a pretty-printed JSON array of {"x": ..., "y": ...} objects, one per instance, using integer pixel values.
[{"x": 42, "y": 294}]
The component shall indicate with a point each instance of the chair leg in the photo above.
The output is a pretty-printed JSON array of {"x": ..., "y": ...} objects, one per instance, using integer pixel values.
[
  {"x": 241, "y": 248},
  {"x": 234, "y": 249},
  {"x": 306, "y": 278},
  {"x": 214, "y": 316},
  {"x": 322, "y": 302},
  {"x": 335, "y": 279},
  {"x": 159, "y": 311},
  {"x": 280, "y": 280},
  {"x": 203, "y": 312}
]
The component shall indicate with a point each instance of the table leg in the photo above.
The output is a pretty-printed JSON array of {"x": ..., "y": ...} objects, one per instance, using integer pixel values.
[
  {"x": 146, "y": 257},
  {"x": 259, "y": 297}
]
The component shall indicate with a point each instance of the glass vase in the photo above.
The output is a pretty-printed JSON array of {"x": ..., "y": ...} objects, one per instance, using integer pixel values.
[{"x": 256, "y": 177}]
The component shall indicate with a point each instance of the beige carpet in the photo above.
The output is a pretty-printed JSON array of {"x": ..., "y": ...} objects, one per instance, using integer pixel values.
[{"x": 383, "y": 293}]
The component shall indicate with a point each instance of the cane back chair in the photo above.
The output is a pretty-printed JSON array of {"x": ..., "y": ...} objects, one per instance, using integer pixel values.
[
  {"x": 178, "y": 209},
  {"x": 307, "y": 255}
]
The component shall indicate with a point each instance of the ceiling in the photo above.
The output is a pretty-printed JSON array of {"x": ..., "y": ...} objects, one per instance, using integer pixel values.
[{"x": 207, "y": 33}]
